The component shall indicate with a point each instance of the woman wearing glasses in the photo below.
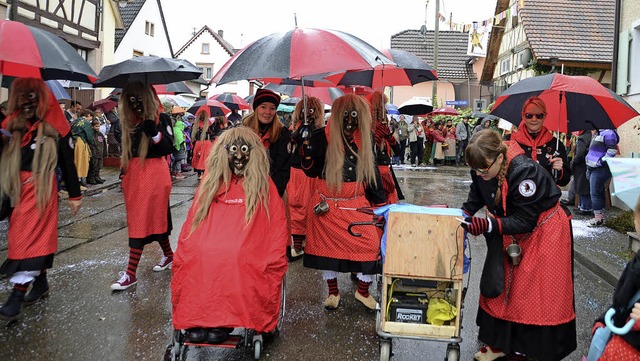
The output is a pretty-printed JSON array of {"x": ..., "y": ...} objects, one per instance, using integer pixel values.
[
  {"x": 526, "y": 302},
  {"x": 539, "y": 143}
]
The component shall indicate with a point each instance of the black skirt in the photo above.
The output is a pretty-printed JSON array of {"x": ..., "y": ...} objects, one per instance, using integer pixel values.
[
  {"x": 544, "y": 343},
  {"x": 11, "y": 266},
  {"x": 341, "y": 265}
]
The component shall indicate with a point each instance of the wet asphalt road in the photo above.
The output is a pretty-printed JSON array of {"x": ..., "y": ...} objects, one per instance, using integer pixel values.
[{"x": 83, "y": 320}]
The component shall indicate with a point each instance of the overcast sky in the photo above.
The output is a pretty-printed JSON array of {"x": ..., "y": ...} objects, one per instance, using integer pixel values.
[{"x": 374, "y": 21}]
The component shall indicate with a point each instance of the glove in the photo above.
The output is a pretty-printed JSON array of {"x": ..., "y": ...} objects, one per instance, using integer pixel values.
[
  {"x": 149, "y": 128},
  {"x": 476, "y": 226}
]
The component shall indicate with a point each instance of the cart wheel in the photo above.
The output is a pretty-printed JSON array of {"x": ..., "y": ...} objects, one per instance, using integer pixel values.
[
  {"x": 257, "y": 348},
  {"x": 385, "y": 350},
  {"x": 453, "y": 353},
  {"x": 283, "y": 306}
]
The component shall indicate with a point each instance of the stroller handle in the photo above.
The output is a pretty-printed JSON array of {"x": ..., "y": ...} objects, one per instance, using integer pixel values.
[{"x": 608, "y": 320}]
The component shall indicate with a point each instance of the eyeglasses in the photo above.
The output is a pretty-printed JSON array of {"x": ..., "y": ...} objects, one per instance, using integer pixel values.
[
  {"x": 485, "y": 171},
  {"x": 531, "y": 115}
]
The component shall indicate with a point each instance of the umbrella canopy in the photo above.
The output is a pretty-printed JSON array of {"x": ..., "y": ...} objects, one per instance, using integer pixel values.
[
  {"x": 300, "y": 52},
  {"x": 249, "y": 99},
  {"x": 175, "y": 100},
  {"x": 415, "y": 106},
  {"x": 392, "y": 109},
  {"x": 445, "y": 111},
  {"x": 148, "y": 69},
  {"x": 573, "y": 103},
  {"x": 625, "y": 173},
  {"x": 232, "y": 101},
  {"x": 216, "y": 108},
  {"x": 356, "y": 89},
  {"x": 58, "y": 90},
  {"x": 26, "y": 51},
  {"x": 408, "y": 71},
  {"x": 286, "y": 108},
  {"x": 178, "y": 87},
  {"x": 105, "y": 104},
  {"x": 290, "y": 101},
  {"x": 326, "y": 95}
]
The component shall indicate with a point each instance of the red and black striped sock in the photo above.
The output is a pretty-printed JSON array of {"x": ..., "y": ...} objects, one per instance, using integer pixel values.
[
  {"x": 134, "y": 259},
  {"x": 166, "y": 248},
  {"x": 363, "y": 288},
  {"x": 297, "y": 242},
  {"x": 333, "y": 286},
  {"x": 21, "y": 286}
]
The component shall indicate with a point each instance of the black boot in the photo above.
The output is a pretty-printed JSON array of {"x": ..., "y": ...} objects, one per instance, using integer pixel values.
[
  {"x": 39, "y": 290},
  {"x": 13, "y": 307},
  {"x": 99, "y": 180},
  {"x": 91, "y": 181},
  {"x": 83, "y": 182}
]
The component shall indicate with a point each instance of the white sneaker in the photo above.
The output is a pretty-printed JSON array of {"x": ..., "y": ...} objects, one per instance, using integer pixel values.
[{"x": 124, "y": 282}]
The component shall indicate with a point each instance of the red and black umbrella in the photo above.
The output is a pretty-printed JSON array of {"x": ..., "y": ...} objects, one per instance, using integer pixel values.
[
  {"x": 216, "y": 108},
  {"x": 30, "y": 52},
  {"x": 326, "y": 95},
  {"x": 573, "y": 103},
  {"x": 178, "y": 87},
  {"x": 298, "y": 53},
  {"x": 232, "y": 101},
  {"x": 408, "y": 71},
  {"x": 445, "y": 111}
]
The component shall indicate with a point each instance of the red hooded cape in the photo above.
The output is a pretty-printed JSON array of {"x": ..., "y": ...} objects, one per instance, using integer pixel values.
[{"x": 226, "y": 274}]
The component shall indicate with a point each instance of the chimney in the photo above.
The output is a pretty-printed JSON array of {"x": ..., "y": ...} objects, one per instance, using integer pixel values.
[{"x": 221, "y": 33}]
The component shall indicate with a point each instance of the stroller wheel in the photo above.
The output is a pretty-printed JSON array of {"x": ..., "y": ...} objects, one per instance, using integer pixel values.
[{"x": 257, "y": 349}]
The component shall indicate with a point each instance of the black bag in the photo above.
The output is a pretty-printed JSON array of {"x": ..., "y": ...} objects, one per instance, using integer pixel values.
[
  {"x": 5, "y": 206},
  {"x": 492, "y": 279}
]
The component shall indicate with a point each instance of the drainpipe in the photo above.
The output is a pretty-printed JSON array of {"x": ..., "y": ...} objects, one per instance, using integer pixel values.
[{"x": 616, "y": 39}]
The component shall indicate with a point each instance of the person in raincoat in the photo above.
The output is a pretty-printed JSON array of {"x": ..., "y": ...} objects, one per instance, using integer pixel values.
[
  {"x": 342, "y": 157},
  {"x": 147, "y": 139},
  {"x": 300, "y": 186},
  {"x": 39, "y": 141},
  {"x": 230, "y": 260},
  {"x": 527, "y": 302}
]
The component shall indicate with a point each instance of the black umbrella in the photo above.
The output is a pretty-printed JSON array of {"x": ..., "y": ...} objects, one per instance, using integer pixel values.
[
  {"x": 415, "y": 106},
  {"x": 290, "y": 101},
  {"x": 216, "y": 108},
  {"x": 408, "y": 71},
  {"x": 148, "y": 69},
  {"x": 300, "y": 52}
]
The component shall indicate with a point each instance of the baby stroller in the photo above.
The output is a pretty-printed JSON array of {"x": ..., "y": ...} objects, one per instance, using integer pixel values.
[{"x": 241, "y": 338}]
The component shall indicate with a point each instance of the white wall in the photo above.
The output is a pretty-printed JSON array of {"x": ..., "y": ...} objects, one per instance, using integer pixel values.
[
  {"x": 218, "y": 56},
  {"x": 136, "y": 39}
]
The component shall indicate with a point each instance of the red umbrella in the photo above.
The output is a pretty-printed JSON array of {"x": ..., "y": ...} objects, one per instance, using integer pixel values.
[
  {"x": 408, "y": 71},
  {"x": 298, "y": 53},
  {"x": 105, "y": 104},
  {"x": 573, "y": 103},
  {"x": 215, "y": 107},
  {"x": 232, "y": 101},
  {"x": 172, "y": 88},
  {"x": 26, "y": 51},
  {"x": 445, "y": 111}
]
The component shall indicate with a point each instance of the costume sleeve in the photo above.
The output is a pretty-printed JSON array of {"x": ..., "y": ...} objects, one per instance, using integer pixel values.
[
  {"x": 88, "y": 131},
  {"x": 281, "y": 161},
  {"x": 312, "y": 153},
  {"x": 474, "y": 200},
  {"x": 565, "y": 174},
  {"x": 165, "y": 145},
  {"x": 376, "y": 194},
  {"x": 68, "y": 168},
  {"x": 531, "y": 191}
]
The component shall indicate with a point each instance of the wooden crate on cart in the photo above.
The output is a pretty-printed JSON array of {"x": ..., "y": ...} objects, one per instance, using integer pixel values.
[{"x": 424, "y": 247}]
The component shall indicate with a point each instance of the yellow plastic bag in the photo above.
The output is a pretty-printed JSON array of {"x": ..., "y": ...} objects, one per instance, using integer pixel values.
[{"x": 440, "y": 311}]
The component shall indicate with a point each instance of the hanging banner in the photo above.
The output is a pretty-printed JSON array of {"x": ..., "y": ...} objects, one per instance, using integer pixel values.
[{"x": 478, "y": 39}]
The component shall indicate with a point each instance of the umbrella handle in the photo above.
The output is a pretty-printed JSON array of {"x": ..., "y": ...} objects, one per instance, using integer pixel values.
[{"x": 608, "y": 320}]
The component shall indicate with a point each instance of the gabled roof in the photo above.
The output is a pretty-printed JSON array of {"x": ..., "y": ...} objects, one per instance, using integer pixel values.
[
  {"x": 570, "y": 30},
  {"x": 453, "y": 61},
  {"x": 225, "y": 45},
  {"x": 129, "y": 13}
]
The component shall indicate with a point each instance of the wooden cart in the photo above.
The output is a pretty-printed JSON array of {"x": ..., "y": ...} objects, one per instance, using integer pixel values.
[{"x": 424, "y": 254}]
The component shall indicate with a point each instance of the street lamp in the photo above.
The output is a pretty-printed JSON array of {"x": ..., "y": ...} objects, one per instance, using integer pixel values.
[{"x": 121, "y": 3}]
